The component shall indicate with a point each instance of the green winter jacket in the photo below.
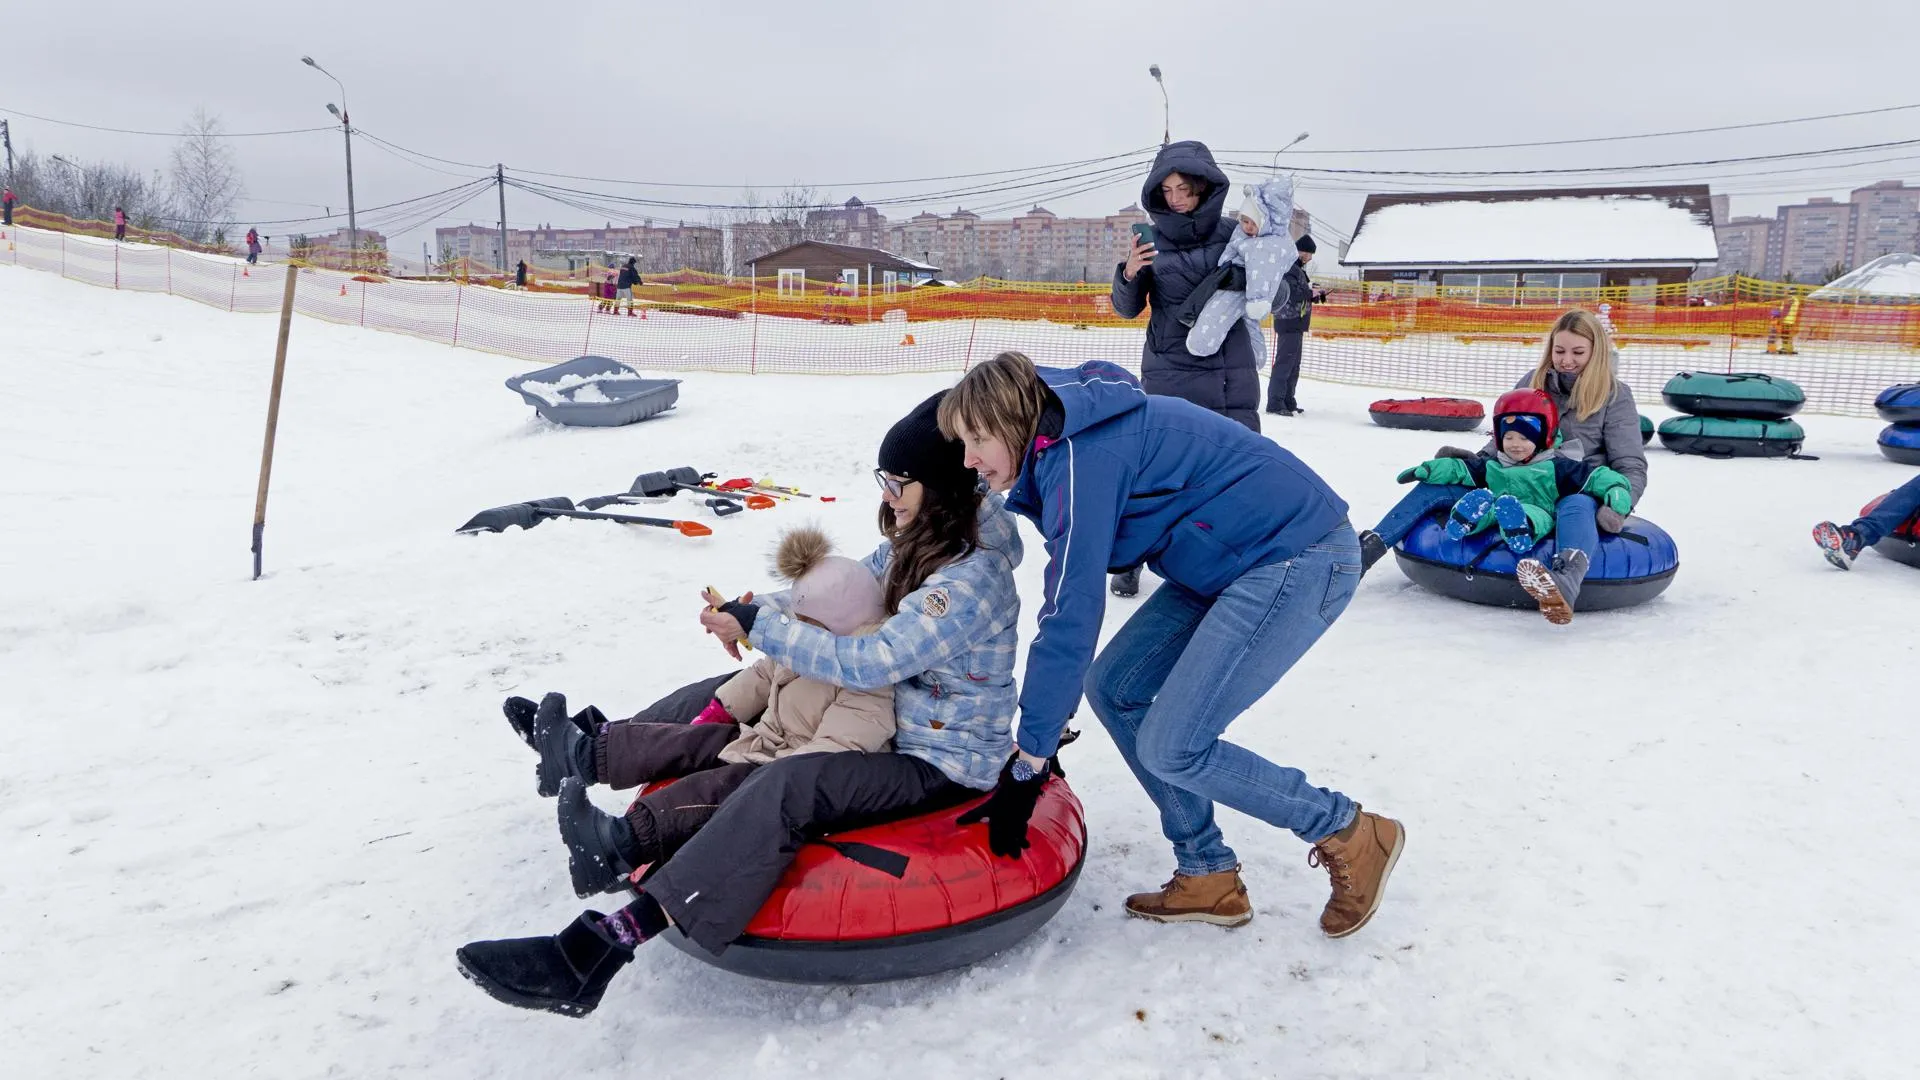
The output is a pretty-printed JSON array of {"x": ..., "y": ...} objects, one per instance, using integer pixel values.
[{"x": 1539, "y": 484}]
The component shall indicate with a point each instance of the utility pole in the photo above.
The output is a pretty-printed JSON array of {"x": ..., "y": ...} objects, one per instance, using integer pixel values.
[
  {"x": 6, "y": 139},
  {"x": 500, "y": 182}
]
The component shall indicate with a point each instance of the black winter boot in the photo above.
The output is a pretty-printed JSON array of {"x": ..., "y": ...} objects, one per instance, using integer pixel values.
[
  {"x": 562, "y": 747},
  {"x": 1372, "y": 550},
  {"x": 520, "y": 713},
  {"x": 601, "y": 848},
  {"x": 565, "y": 973},
  {"x": 1125, "y": 583}
]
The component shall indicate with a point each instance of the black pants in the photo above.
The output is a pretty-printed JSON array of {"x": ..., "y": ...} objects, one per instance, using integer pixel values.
[
  {"x": 1286, "y": 372},
  {"x": 718, "y": 879},
  {"x": 119, "y": 232},
  {"x": 628, "y": 754},
  {"x": 8, "y": 220}
]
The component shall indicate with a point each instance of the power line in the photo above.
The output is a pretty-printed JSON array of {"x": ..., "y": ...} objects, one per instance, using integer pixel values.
[
  {"x": 1592, "y": 169},
  {"x": 1596, "y": 139},
  {"x": 850, "y": 183},
  {"x": 167, "y": 134}
]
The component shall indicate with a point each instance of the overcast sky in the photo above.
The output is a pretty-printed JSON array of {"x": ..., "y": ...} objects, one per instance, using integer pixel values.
[{"x": 833, "y": 94}]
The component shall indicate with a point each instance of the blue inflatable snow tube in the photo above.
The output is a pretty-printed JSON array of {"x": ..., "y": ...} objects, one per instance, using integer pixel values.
[
  {"x": 1631, "y": 567},
  {"x": 1901, "y": 443},
  {"x": 1899, "y": 404}
]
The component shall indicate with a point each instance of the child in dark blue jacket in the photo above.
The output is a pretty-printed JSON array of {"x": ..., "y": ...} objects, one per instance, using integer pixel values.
[{"x": 1259, "y": 560}]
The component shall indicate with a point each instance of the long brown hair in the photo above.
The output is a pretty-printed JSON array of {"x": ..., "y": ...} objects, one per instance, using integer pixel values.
[
  {"x": 946, "y": 528},
  {"x": 1593, "y": 387}
]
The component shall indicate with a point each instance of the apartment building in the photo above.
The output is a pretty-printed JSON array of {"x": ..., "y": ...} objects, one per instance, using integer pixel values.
[
  {"x": 1743, "y": 245},
  {"x": 332, "y": 249},
  {"x": 1810, "y": 238},
  {"x": 1886, "y": 220}
]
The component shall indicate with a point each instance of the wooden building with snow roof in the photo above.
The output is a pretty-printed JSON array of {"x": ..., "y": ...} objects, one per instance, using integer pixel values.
[{"x": 1464, "y": 242}]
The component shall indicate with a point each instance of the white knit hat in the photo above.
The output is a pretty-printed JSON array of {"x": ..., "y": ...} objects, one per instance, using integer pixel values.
[{"x": 1250, "y": 208}]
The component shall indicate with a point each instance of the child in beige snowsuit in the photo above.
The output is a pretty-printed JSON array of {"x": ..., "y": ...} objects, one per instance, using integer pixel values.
[{"x": 760, "y": 715}]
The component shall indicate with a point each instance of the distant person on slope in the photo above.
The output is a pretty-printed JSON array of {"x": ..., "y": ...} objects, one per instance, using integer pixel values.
[
  {"x": 1292, "y": 316},
  {"x": 119, "y": 224},
  {"x": 6, "y": 207},
  {"x": 629, "y": 278},
  {"x": 1842, "y": 544},
  {"x": 1185, "y": 196},
  {"x": 253, "y": 246}
]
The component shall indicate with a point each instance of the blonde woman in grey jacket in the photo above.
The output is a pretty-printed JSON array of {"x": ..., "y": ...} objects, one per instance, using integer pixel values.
[{"x": 1599, "y": 423}]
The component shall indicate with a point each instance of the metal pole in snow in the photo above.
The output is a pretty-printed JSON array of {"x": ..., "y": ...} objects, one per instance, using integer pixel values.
[{"x": 273, "y": 416}]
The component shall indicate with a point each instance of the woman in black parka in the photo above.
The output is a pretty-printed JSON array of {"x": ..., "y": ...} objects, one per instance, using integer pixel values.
[{"x": 1184, "y": 195}]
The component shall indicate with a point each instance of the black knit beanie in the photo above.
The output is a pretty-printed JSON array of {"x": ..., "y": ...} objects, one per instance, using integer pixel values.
[
  {"x": 914, "y": 449},
  {"x": 1306, "y": 244}
]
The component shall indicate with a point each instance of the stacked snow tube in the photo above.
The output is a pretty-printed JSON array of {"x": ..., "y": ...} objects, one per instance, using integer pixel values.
[
  {"x": 1428, "y": 413},
  {"x": 1646, "y": 430},
  {"x": 1743, "y": 414},
  {"x": 907, "y": 898},
  {"x": 1901, "y": 405},
  {"x": 1631, "y": 567},
  {"x": 1903, "y": 543}
]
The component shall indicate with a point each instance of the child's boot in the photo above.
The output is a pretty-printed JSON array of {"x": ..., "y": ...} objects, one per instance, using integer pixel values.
[
  {"x": 1839, "y": 543},
  {"x": 566, "y": 973},
  {"x": 1515, "y": 527},
  {"x": 564, "y": 749},
  {"x": 1467, "y": 512},
  {"x": 601, "y": 848}
]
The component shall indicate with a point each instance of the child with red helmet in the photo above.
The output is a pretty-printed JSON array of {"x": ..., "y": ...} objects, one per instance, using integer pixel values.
[{"x": 1516, "y": 487}]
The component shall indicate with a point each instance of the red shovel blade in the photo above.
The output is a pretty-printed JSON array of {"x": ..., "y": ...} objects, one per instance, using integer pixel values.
[{"x": 691, "y": 528}]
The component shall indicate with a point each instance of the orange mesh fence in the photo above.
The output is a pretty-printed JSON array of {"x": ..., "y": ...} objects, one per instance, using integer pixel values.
[{"x": 1841, "y": 348}]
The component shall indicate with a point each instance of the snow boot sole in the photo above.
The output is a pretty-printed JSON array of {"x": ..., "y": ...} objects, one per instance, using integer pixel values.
[
  {"x": 1538, "y": 582},
  {"x": 520, "y": 713},
  {"x": 1832, "y": 544},
  {"x": 1515, "y": 528},
  {"x": 1467, "y": 512},
  {"x": 553, "y": 736}
]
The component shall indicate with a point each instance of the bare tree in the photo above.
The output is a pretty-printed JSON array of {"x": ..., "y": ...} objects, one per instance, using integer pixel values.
[{"x": 206, "y": 179}]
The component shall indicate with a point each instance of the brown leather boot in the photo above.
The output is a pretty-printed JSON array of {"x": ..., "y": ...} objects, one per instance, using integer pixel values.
[
  {"x": 1219, "y": 899},
  {"x": 1358, "y": 858}
]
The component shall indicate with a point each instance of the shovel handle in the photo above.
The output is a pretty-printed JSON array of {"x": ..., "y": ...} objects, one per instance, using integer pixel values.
[{"x": 684, "y": 528}]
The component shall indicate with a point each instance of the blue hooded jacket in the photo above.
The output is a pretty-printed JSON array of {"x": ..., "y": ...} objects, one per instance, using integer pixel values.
[{"x": 1130, "y": 478}]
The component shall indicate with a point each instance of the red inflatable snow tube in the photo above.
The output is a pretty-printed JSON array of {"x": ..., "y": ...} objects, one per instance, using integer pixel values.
[
  {"x": 1428, "y": 413},
  {"x": 908, "y": 898},
  {"x": 1903, "y": 543}
]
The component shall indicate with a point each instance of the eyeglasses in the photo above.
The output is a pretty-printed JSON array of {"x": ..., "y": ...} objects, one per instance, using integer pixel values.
[{"x": 893, "y": 487}]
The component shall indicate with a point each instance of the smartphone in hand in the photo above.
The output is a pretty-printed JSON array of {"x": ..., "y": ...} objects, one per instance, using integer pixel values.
[{"x": 1143, "y": 233}]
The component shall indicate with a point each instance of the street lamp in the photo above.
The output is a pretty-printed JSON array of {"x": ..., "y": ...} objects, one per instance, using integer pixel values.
[
  {"x": 1166, "y": 111},
  {"x": 346, "y": 129},
  {"x": 80, "y": 193},
  {"x": 1297, "y": 139}
]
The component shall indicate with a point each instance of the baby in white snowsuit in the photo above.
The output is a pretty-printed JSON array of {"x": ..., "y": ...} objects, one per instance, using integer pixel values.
[{"x": 1264, "y": 246}]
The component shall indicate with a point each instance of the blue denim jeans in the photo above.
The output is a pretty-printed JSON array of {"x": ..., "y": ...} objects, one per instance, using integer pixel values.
[
  {"x": 1424, "y": 499},
  {"x": 1902, "y": 504},
  {"x": 1185, "y": 666}
]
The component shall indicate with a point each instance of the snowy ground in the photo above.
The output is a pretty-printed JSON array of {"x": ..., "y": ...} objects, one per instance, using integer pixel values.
[{"x": 244, "y": 825}]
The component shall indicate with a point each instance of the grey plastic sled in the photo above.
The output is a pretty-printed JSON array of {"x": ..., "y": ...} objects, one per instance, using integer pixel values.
[{"x": 594, "y": 391}]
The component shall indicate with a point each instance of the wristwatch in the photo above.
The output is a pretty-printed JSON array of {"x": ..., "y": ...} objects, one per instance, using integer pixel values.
[{"x": 1022, "y": 771}]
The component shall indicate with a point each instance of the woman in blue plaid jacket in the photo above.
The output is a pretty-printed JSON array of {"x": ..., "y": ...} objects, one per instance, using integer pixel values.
[{"x": 946, "y": 568}]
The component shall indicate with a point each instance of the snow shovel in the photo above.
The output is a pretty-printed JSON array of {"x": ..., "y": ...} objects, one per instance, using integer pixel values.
[
  {"x": 720, "y": 507},
  {"x": 528, "y": 514},
  {"x": 688, "y": 478}
]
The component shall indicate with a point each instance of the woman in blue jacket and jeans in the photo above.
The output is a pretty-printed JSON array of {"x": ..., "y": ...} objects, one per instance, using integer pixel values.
[{"x": 1259, "y": 559}]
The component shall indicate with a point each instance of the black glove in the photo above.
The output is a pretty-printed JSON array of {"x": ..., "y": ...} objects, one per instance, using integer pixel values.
[
  {"x": 1456, "y": 452},
  {"x": 1007, "y": 811},
  {"x": 742, "y": 614}
]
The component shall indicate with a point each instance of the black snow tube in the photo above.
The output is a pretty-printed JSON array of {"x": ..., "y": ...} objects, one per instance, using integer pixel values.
[{"x": 1725, "y": 437}]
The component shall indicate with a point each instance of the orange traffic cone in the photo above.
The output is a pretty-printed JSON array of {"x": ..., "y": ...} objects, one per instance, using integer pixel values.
[
  {"x": 243, "y": 270},
  {"x": 343, "y": 288},
  {"x": 643, "y": 313},
  {"x": 908, "y": 340}
]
